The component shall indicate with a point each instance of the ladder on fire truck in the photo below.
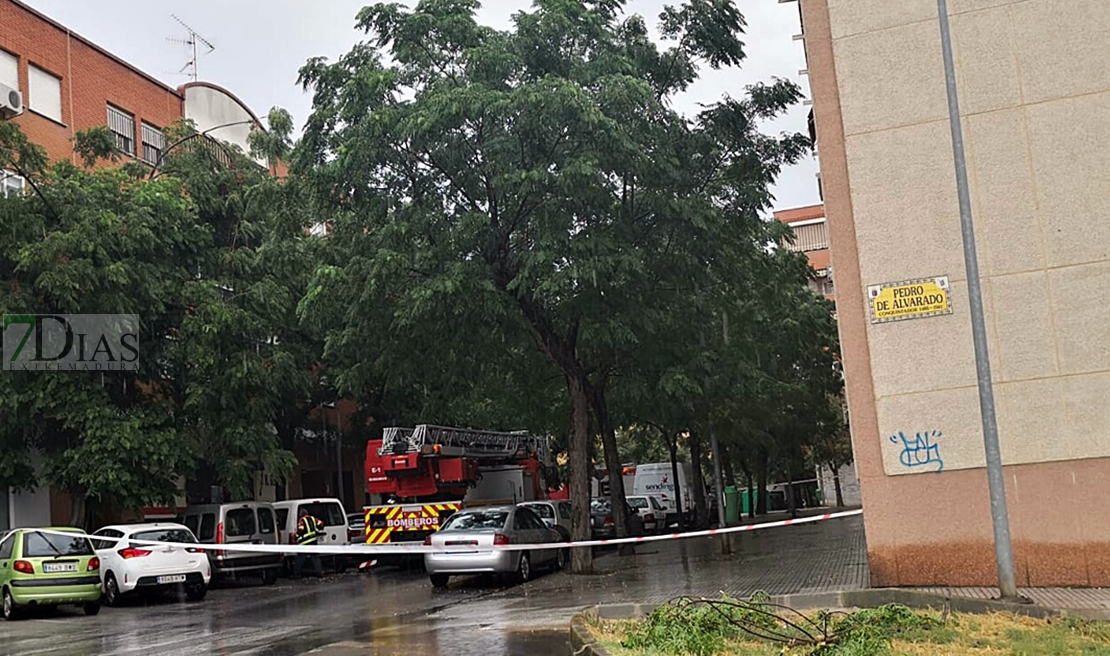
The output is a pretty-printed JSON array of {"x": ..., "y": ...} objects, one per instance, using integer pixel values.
[{"x": 464, "y": 442}]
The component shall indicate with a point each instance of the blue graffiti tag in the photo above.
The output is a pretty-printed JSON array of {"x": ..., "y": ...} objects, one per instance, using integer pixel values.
[{"x": 919, "y": 450}]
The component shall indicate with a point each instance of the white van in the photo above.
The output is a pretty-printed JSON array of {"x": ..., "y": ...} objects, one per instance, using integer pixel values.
[
  {"x": 328, "y": 511},
  {"x": 657, "y": 480}
]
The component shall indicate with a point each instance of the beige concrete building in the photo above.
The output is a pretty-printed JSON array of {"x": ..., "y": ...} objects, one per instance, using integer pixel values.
[{"x": 1034, "y": 85}]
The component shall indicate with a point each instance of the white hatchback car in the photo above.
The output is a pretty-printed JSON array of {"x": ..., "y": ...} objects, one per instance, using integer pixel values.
[{"x": 127, "y": 568}]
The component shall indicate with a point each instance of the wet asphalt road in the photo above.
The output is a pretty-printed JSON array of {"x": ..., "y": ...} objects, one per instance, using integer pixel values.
[{"x": 387, "y": 612}]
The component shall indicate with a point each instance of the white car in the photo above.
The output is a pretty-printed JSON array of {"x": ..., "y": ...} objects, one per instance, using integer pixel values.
[
  {"x": 127, "y": 568},
  {"x": 651, "y": 511}
]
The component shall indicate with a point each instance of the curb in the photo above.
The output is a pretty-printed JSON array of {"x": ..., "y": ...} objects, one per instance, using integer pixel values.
[
  {"x": 878, "y": 597},
  {"x": 582, "y": 639}
]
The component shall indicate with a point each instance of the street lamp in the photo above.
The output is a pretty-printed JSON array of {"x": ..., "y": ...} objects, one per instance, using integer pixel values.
[{"x": 1003, "y": 549}]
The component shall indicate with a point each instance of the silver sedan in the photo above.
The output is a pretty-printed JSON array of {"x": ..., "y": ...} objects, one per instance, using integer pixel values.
[{"x": 484, "y": 528}]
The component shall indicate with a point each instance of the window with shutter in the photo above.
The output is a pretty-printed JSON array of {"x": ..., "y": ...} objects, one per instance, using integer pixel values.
[{"x": 122, "y": 125}]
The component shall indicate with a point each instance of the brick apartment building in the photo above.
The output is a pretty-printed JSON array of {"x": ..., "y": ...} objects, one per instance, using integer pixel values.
[{"x": 69, "y": 84}]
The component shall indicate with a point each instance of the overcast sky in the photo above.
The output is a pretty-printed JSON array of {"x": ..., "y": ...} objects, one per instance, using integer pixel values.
[{"x": 261, "y": 45}]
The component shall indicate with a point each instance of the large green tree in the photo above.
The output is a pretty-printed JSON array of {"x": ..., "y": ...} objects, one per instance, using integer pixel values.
[{"x": 540, "y": 176}]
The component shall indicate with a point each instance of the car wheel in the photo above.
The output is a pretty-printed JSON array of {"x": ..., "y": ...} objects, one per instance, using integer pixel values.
[
  {"x": 196, "y": 592},
  {"x": 561, "y": 558},
  {"x": 524, "y": 568},
  {"x": 111, "y": 590},
  {"x": 439, "y": 580},
  {"x": 92, "y": 608},
  {"x": 11, "y": 612},
  {"x": 269, "y": 577}
]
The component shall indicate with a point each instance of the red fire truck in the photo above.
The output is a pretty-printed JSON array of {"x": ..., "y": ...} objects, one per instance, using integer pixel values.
[{"x": 433, "y": 471}]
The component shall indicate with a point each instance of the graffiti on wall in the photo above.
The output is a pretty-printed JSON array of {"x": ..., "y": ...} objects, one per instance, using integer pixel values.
[{"x": 921, "y": 450}]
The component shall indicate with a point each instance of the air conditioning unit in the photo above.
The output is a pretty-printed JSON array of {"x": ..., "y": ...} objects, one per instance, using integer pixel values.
[{"x": 11, "y": 102}]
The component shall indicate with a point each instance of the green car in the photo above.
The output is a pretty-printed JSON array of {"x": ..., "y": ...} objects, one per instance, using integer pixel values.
[{"x": 46, "y": 569}]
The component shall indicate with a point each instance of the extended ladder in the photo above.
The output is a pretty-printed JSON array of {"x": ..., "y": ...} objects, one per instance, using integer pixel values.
[{"x": 465, "y": 442}]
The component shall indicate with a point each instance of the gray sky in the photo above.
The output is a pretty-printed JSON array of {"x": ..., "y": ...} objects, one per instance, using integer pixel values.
[{"x": 261, "y": 45}]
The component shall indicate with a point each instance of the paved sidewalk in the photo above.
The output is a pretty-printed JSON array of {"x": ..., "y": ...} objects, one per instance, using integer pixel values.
[
  {"x": 1092, "y": 599},
  {"x": 821, "y": 556}
]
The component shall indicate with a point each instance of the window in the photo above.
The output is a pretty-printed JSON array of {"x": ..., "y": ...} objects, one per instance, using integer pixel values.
[
  {"x": 45, "y": 93},
  {"x": 7, "y": 547},
  {"x": 282, "y": 517},
  {"x": 9, "y": 70},
  {"x": 191, "y": 523},
  {"x": 239, "y": 522},
  {"x": 329, "y": 513},
  {"x": 207, "y": 527},
  {"x": 154, "y": 143},
  {"x": 11, "y": 185},
  {"x": 477, "y": 519},
  {"x": 543, "y": 510},
  {"x": 164, "y": 535},
  {"x": 565, "y": 509},
  {"x": 829, "y": 287},
  {"x": 266, "y": 521},
  {"x": 44, "y": 545},
  {"x": 122, "y": 125}
]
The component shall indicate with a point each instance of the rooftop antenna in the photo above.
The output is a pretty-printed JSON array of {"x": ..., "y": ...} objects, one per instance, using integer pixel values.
[{"x": 190, "y": 68}]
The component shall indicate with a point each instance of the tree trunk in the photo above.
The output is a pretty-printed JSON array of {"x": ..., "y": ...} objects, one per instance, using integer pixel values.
[
  {"x": 77, "y": 510},
  {"x": 701, "y": 513},
  {"x": 751, "y": 486},
  {"x": 578, "y": 453},
  {"x": 612, "y": 460},
  {"x": 836, "y": 484},
  {"x": 672, "y": 447},
  {"x": 761, "y": 465},
  {"x": 726, "y": 466},
  {"x": 791, "y": 502}
]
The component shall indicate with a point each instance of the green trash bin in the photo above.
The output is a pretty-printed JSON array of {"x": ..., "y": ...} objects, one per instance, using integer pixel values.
[{"x": 732, "y": 506}]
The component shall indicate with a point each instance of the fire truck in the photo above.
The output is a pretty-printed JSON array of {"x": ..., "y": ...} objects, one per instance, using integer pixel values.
[{"x": 431, "y": 472}]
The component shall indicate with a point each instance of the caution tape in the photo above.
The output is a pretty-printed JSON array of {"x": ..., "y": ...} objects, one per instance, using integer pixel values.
[{"x": 415, "y": 548}]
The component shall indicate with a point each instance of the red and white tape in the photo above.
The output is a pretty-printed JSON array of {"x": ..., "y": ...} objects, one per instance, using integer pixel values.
[{"x": 387, "y": 549}]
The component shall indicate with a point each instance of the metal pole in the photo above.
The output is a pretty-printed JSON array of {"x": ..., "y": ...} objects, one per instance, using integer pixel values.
[
  {"x": 339, "y": 456},
  {"x": 1003, "y": 550},
  {"x": 726, "y": 543},
  {"x": 324, "y": 444}
]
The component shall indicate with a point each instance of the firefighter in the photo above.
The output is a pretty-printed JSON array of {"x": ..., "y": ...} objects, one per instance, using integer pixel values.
[{"x": 308, "y": 532}]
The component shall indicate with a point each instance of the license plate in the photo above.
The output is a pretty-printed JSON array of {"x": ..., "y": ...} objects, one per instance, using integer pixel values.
[
  {"x": 53, "y": 568},
  {"x": 177, "y": 578}
]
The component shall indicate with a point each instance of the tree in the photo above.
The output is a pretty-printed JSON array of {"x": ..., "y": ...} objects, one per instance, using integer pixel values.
[
  {"x": 192, "y": 250},
  {"x": 832, "y": 444},
  {"x": 542, "y": 172}
]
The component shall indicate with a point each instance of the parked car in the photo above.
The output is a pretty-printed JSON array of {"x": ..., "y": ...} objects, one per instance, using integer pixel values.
[
  {"x": 653, "y": 513},
  {"x": 356, "y": 528},
  {"x": 482, "y": 529},
  {"x": 556, "y": 514},
  {"x": 328, "y": 511},
  {"x": 47, "y": 569},
  {"x": 243, "y": 522},
  {"x": 127, "y": 568},
  {"x": 602, "y": 524}
]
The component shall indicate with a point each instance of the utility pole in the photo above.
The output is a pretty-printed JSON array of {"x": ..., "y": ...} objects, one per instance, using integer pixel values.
[{"x": 1003, "y": 549}]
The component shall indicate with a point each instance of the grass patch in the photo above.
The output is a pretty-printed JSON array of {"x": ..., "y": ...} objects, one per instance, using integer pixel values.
[{"x": 690, "y": 627}]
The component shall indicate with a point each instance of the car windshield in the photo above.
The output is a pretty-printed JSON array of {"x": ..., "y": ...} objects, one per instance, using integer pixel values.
[
  {"x": 477, "y": 520},
  {"x": 599, "y": 506},
  {"x": 355, "y": 519},
  {"x": 638, "y": 502},
  {"x": 43, "y": 545},
  {"x": 165, "y": 535}
]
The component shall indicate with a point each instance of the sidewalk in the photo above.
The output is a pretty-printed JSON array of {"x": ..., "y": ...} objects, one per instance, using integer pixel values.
[{"x": 817, "y": 563}]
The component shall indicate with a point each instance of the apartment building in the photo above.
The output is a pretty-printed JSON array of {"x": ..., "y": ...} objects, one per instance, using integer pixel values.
[
  {"x": 811, "y": 233},
  {"x": 1033, "y": 78}
]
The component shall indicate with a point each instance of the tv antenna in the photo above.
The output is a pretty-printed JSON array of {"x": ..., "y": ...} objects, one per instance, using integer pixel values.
[{"x": 190, "y": 68}]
